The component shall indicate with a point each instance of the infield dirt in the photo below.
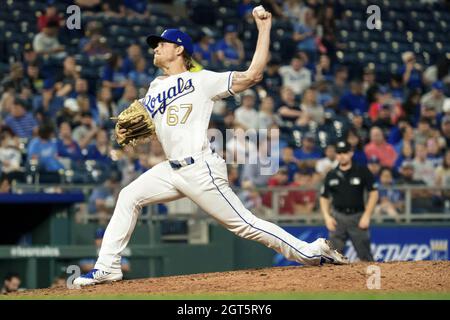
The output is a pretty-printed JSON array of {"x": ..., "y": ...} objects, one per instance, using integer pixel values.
[{"x": 401, "y": 277}]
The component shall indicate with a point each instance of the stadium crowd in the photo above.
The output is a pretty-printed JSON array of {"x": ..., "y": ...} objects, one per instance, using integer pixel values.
[{"x": 57, "y": 97}]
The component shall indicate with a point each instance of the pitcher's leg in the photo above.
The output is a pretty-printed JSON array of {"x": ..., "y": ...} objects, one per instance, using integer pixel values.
[
  {"x": 153, "y": 186},
  {"x": 210, "y": 190}
]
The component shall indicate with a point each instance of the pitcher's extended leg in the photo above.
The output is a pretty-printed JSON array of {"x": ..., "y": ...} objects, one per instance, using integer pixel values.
[
  {"x": 213, "y": 194},
  {"x": 153, "y": 186}
]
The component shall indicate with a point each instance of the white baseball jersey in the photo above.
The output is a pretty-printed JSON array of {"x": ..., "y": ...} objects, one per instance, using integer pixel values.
[{"x": 181, "y": 105}]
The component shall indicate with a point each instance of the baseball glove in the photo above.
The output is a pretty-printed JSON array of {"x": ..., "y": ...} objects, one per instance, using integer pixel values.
[{"x": 137, "y": 122}]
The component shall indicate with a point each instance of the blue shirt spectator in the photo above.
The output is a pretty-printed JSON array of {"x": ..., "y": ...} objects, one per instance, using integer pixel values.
[
  {"x": 114, "y": 77},
  {"x": 230, "y": 49},
  {"x": 44, "y": 149},
  {"x": 67, "y": 147},
  {"x": 21, "y": 122},
  {"x": 308, "y": 150},
  {"x": 354, "y": 99},
  {"x": 204, "y": 49}
]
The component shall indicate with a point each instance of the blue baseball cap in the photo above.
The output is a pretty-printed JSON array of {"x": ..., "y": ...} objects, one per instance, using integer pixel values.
[
  {"x": 438, "y": 85},
  {"x": 174, "y": 36}
]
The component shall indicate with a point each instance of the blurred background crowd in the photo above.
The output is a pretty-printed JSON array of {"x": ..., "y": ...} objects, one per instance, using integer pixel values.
[{"x": 329, "y": 78}]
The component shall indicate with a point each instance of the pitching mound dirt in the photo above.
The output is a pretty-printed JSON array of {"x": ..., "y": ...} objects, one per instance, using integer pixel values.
[{"x": 421, "y": 276}]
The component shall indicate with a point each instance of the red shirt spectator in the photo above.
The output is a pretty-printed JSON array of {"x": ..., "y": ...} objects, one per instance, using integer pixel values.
[
  {"x": 51, "y": 14},
  {"x": 379, "y": 148},
  {"x": 279, "y": 179}
]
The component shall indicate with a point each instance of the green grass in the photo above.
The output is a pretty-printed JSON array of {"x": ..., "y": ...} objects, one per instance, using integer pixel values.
[{"x": 257, "y": 296}]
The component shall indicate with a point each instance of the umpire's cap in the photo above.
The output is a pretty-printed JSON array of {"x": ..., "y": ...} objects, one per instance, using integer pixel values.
[
  {"x": 342, "y": 147},
  {"x": 174, "y": 36}
]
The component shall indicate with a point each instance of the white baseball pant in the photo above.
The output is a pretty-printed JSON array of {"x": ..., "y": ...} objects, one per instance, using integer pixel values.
[{"x": 206, "y": 183}]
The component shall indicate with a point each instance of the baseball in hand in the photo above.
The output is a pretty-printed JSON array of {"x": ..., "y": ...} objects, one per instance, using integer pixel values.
[{"x": 259, "y": 11}]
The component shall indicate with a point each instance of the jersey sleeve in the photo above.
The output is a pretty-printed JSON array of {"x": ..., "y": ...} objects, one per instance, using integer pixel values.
[
  {"x": 217, "y": 85},
  {"x": 325, "y": 189},
  {"x": 369, "y": 180}
]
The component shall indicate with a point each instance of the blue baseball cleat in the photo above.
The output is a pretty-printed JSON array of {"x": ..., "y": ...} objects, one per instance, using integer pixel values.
[{"x": 96, "y": 276}]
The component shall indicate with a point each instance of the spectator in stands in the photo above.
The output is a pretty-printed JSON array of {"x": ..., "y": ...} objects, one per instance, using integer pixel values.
[
  {"x": 406, "y": 153},
  {"x": 434, "y": 153},
  {"x": 293, "y": 10},
  {"x": 43, "y": 148},
  {"x": 5, "y": 183},
  {"x": 85, "y": 131},
  {"x": 295, "y": 76},
  {"x": 250, "y": 197},
  {"x": 65, "y": 80},
  {"x": 305, "y": 33},
  {"x": 396, "y": 88},
  {"x": 390, "y": 201},
  {"x": 384, "y": 119},
  {"x": 89, "y": 263},
  {"x": 327, "y": 23},
  {"x": 423, "y": 167},
  {"x": 272, "y": 81},
  {"x": 46, "y": 42},
  {"x": 113, "y": 8},
  {"x": 278, "y": 179},
  {"x": 204, "y": 48},
  {"x": 100, "y": 149},
  {"x": 87, "y": 102},
  {"x": 21, "y": 122},
  {"x": 359, "y": 125},
  {"x": 93, "y": 43},
  {"x": 354, "y": 99},
  {"x": 445, "y": 132},
  {"x": 339, "y": 85},
  {"x": 442, "y": 174},
  {"x": 114, "y": 77},
  {"x": 310, "y": 109},
  {"x": 435, "y": 97},
  {"x": 134, "y": 54},
  {"x": 328, "y": 162},
  {"x": 140, "y": 77},
  {"x": 50, "y": 14},
  {"x": 288, "y": 161},
  {"x": 245, "y": 8},
  {"x": 10, "y": 156},
  {"x": 11, "y": 283},
  {"x": 246, "y": 115},
  {"x": 129, "y": 95},
  {"x": 429, "y": 113},
  {"x": 233, "y": 175},
  {"x": 137, "y": 8},
  {"x": 230, "y": 50},
  {"x": 423, "y": 131},
  {"x": 303, "y": 201},
  {"x": 323, "y": 69},
  {"x": 66, "y": 145},
  {"x": 107, "y": 108},
  {"x": 34, "y": 78},
  {"x": 102, "y": 199},
  {"x": 411, "y": 71},
  {"x": 288, "y": 110},
  {"x": 382, "y": 97},
  {"x": 15, "y": 80},
  {"x": 407, "y": 137},
  {"x": 325, "y": 97},
  {"x": 266, "y": 117},
  {"x": 421, "y": 198},
  {"x": 356, "y": 145},
  {"x": 380, "y": 148},
  {"x": 308, "y": 152},
  {"x": 370, "y": 86},
  {"x": 374, "y": 166}
]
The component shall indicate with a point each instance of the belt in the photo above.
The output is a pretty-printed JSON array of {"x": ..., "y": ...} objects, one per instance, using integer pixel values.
[
  {"x": 175, "y": 164},
  {"x": 349, "y": 210}
]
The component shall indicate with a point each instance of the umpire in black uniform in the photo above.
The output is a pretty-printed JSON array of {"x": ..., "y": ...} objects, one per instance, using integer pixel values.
[{"x": 350, "y": 218}]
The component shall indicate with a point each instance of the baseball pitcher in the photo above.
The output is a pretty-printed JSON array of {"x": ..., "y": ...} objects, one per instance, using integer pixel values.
[{"x": 177, "y": 110}]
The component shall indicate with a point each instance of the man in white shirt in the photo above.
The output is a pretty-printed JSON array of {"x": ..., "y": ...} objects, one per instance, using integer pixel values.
[
  {"x": 246, "y": 116},
  {"x": 329, "y": 162},
  {"x": 295, "y": 75},
  {"x": 46, "y": 42}
]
